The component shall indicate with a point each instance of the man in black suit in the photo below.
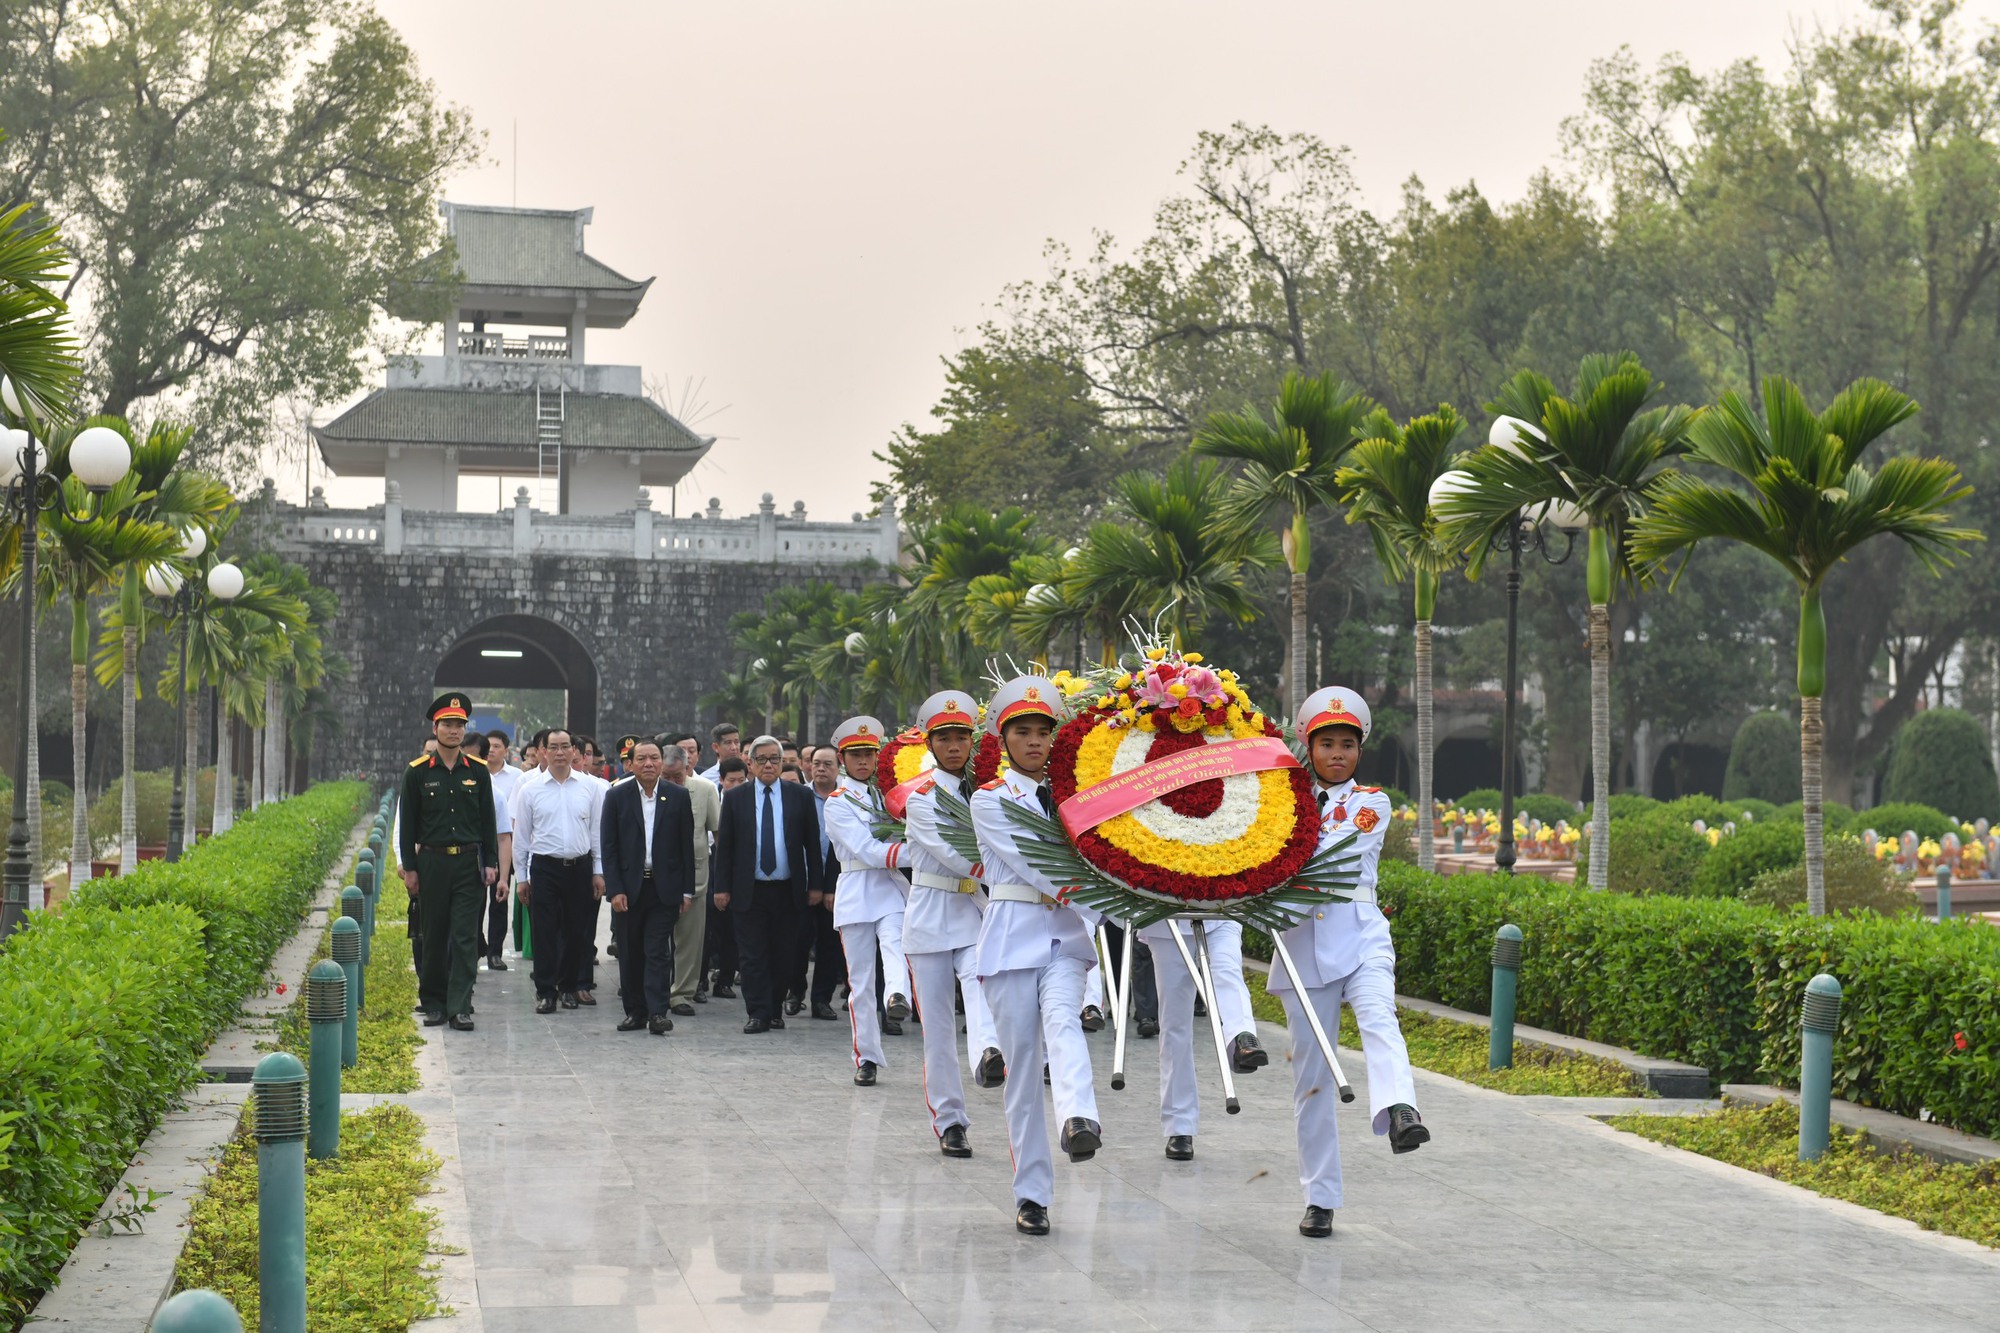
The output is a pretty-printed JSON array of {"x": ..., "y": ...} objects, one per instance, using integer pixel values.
[
  {"x": 767, "y": 872},
  {"x": 648, "y": 844}
]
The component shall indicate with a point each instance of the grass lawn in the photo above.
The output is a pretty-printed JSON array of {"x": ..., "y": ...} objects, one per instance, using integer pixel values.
[
  {"x": 1956, "y": 1200},
  {"x": 1460, "y": 1050},
  {"x": 367, "y": 1241},
  {"x": 388, "y": 1041}
]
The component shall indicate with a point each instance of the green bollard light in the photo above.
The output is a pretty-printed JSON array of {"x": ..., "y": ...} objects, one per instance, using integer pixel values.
[
  {"x": 365, "y": 876},
  {"x": 278, "y": 1120},
  {"x": 354, "y": 907},
  {"x": 198, "y": 1311},
  {"x": 1944, "y": 893},
  {"x": 347, "y": 952},
  {"x": 1457, "y": 839},
  {"x": 326, "y": 1011},
  {"x": 1506, "y": 975},
  {"x": 1820, "y": 1020}
]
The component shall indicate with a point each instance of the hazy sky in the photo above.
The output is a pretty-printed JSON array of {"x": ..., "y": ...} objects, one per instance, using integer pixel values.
[{"x": 832, "y": 195}]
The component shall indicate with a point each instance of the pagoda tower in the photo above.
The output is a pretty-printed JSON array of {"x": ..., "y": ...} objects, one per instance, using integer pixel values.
[{"x": 512, "y": 395}]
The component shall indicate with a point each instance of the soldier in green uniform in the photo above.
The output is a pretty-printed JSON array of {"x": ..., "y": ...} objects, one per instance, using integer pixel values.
[{"x": 450, "y": 850}]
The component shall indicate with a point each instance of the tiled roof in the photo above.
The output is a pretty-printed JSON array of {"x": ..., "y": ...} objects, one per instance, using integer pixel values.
[
  {"x": 521, "y": 247},
  {"x": 507, "y": 420}
]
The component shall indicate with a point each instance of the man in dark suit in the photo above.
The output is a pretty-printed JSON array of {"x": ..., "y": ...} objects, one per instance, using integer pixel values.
[
  {"x": 767, "y": 872},
  {"x": 648, "y": 844}
]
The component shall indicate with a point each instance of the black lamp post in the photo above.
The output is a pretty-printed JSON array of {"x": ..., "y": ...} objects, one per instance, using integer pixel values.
[
  {"x": 99, "y": 458},
  {"x": 225, "y": 582}
]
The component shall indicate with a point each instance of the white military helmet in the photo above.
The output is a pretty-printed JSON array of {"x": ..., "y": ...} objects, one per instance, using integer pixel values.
[
  {"x": 863, "y": 730},
  {"x": 948, "y": 708},
  {"x": 1024, "y": 696},
  {"x": 1333, "y": 705}
]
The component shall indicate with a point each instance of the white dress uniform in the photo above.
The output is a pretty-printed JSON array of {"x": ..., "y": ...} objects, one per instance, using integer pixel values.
[
  {"x": 1180, "y": 1103},
  {"x": 868, "y": 907},
  {"x": 1032, "y": 957},
  {"x": 1344, "y": 954},
  {"x": 940, "y": 928}
]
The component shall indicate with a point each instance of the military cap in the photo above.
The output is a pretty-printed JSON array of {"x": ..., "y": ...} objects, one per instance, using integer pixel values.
[
  {"x": 948, "y": 708},
  {"x": 1024, "y": 696},
  {"x": 863, "y": 730},
  {"x": 450, "y": 708},
  {"x": 1333, "y": 706}
]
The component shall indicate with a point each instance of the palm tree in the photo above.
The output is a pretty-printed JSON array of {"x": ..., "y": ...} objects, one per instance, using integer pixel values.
[
  {"x": 1582, "y": 461},
  {"x": 1290, "y": 465},
  {"x": 1806, "y": 502},
  {"x": 1387, "y": 486},
  {"x": 961, "y": 546},
  {"x": 1174, "y": 558},
  {"x": 299, "y": 662}
]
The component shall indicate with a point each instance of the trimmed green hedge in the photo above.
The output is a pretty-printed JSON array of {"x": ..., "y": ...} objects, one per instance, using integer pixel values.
[
  {"x": 107, "y": 1005},
  {"x": 1718, "y": 983},
  {"x": 1733, "y": 864},
  {"x": 1898, "y": 817},
  {"x": 1941, "y": 759}
]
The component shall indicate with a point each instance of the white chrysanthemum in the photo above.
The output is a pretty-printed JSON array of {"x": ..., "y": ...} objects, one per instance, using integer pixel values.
[{"x": 1241, "y": 799}]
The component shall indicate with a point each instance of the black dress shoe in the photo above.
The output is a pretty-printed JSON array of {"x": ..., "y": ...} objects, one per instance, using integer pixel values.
[
  {"x": 1149, "y": 1027},
  {"x": 569, "y": 1000},
  {"x": 1406, "y": 1129},
  {"x": 1031, "y": 1219},
  {"x": 612, "y": 949},
  {"x": 777, "y": 1020},
  {"x": 992, "y": 1071},
  {"x": 585, "y": 997},
  {"x": 756, "y": 1025},
  {"x": 897, "y": 1007},
  {"x": 1180, "y": 1147},
  {"x": 1247, "y": 1054},
  {"x": 495, "y": 963},
  {"x": 821, "y": 1009},
  {"x": 659, "y": 1025},
  {"x": 434, "y": 1019},
  {"x": 952, "y": 1142},
  {"x": 545, "y": 1005},
  {"x": 891, "y": 1028},
  {"x": 1045, "y": 1076},
  {"x": 794, "y": 1005},
  {"x": 1200, "y": 1006},
  {"x": 1093, "y": 1018},
  {"x": 701, "y": 997},
  {"x": 1081, "y": 1138},
  {"x": 461, "y": 1022},
  {"x": 684, "y": 1009},
  {"x": 631, "y": 1023},
  {"x": 864, "y": 1074},
  {"x": 1317, "y": 1221},
  {"x": 724, "y": 992}
]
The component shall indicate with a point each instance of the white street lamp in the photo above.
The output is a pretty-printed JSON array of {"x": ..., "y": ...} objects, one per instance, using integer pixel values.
[
  {"x": 193, "y": 542},
  {"x": 1511, "y": 433},
  {"x": 163, "y": 581},
  {"x": 10, "y": 398},
  {"x": 100, "y": 458},
  {"x": 225, "y": 581},
  {"x": 13, "y": 445},
  {"x": 1449, "y": 484}
]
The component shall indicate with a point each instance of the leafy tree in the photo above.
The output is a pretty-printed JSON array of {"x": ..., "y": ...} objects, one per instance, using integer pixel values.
[
  {"x": 242, "y": 182},
  {"x": 1808, "y": 503},
  {"x": 1942, "y": 760},
  {"x": 1387, "y": 487},
  {"x": 1763, "y": 760}
]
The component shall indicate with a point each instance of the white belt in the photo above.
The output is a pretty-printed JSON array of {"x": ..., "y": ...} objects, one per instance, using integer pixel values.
[
  {"x": 924, "y": 879},
  {"x": 1017, "y": 893}
]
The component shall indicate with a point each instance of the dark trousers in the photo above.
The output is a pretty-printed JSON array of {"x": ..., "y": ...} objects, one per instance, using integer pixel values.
[
  {"x": 1145, "y": 993},
  {"x": 494, "y": 937},
  {"x": 646, "y": 952},
  {"x": 449, "y": 892},
  {"x": 819, "y": 945},
  {"x": 586, "y": 971},
  {"x": 766, "y": 930},
  {"x": 720, "y": 943},
  {"x": 562, "y": 916}
]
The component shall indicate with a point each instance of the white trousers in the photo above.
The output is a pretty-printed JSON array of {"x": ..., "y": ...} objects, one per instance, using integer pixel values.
[
  {"x": 1180, "y": 1110},
  {"x": 1370, "y": 991},
  {"x": 1035, "y": 1011},
  {"x": 858, "y": 941},
  {"x": 944, "y": 1082}
]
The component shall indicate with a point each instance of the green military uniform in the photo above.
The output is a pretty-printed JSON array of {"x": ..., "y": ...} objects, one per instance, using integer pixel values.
[{"x": 449, "y": 834}]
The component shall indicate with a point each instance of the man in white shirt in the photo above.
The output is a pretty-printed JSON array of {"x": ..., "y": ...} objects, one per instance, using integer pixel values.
[
  {"x": 505, "y": 779},
  {"x": 691, "y": 930},
  {"x": 560, "y": 866},
  {"x": 728, "y": 743}
]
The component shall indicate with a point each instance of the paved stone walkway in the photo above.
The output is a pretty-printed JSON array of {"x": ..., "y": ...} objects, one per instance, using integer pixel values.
[{"x": 711, "y": 1180}]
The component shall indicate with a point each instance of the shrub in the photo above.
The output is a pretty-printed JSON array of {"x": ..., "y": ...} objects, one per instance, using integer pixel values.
[
  {"x": 1942, "y": 760},
  {"x": 1749, "y": 805},
  {"x": 1398, "y": 798},
  {"x": 106, "y": 1006},
  {"x": 1736, "y": 861},
  {"x": 1837, "y": 817},
  {"x": 155, "y": 794},
  {"x": 1657, "y": 852},
  {"x": 1699, "y": 805},
  {"x": 1855, "y": 882},
  {"x": 1549, "y": 808},
  {"x": 1625, "y": 804},
  {"x": 1399, "y": 843},
  {"x": 1897, "y": 817},
  {"x": 1479, "y": 798},
  {"x": 1719, "y": 983},
  {"x": 1763, "y": 760}
]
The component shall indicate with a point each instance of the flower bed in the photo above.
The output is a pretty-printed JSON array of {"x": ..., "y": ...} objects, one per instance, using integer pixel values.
[{"x": 106, "y": 1007}]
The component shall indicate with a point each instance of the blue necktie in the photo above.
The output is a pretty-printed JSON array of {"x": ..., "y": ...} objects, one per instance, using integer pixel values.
[{"x": 767, "y": 859}]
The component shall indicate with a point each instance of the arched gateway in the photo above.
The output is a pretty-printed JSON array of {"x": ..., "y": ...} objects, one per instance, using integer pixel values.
[{"x": 523, "y": 653}]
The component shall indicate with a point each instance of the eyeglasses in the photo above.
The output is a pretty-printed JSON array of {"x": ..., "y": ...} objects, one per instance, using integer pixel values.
[{"x": 762, "y": 759}]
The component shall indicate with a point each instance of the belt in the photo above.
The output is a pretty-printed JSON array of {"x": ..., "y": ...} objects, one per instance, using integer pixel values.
[
  {"x": 647, "y": 873},
  {"x": 924, "y": 879},
  {"x": 1018, "y": 893},
  {"x": 449, "y": 849},
  {"x": 559, "y": 860}
]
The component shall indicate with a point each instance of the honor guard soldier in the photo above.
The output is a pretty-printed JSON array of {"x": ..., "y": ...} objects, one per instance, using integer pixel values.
[
  {"x": 450, "y": 849},
  {"x": 1180, "y": 1104},
  {"x": 868, "y": 908},
  {"x": 1033, "y": 954},
  {"x": 941, "y": 926},
  {"x": 1344, "y": 953}
]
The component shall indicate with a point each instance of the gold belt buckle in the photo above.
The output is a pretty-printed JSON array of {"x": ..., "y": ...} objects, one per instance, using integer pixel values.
[{"x": 968, "y": 886}]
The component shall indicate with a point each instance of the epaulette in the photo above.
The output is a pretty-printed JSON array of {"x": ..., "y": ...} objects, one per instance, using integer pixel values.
[
  {"x": 422, "y": 759},
  {"x": 1359, "y": 787},
  {"x": 989, "y": 786},
  {"x": 923, "y": 786}
]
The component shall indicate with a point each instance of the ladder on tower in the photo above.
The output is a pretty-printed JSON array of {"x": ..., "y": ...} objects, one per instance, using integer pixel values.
[{"x": 548, "y": 441}]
